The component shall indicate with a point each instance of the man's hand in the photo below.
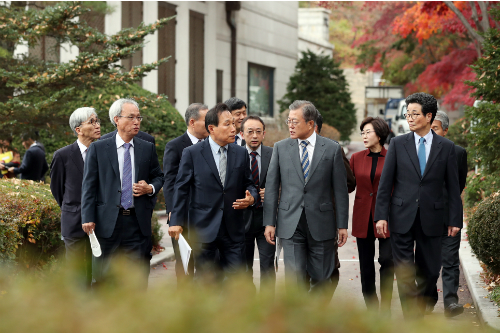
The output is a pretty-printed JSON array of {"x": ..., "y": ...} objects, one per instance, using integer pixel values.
[
  {"x": 175, "y": 231},
  {"x": 2, "y": 165},
  {"x": 382, "y": 228},
  {"x": 141, "y": 188},
  {"x": 261, "y": 193},
  {"x": 342, "y": 237},
  {"x": 453, "y": 231},
  {"x": 88, "y": 227},
  {"x": 269, "y": 234},
  {"x": 244, "y": 203},
  {"x": 11, "y": 169},
  {"x": 169, "y": 216}
]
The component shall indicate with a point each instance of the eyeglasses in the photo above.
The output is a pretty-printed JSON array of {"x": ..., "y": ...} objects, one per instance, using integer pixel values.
[
  {"x": 139, "y": 118},
  {"x": 366, "y": 133},
  {"x": 412, "y": 115},
  {"x": 93, "y": 122},
  {"x": 251, "y": 132},
  {"x": 292, "y": 122}
]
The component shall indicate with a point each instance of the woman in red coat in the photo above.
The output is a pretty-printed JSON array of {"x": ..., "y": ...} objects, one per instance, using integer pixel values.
[{"x": 367, "y": 167}]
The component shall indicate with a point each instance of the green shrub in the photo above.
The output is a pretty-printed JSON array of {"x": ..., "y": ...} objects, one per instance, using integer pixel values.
[
  {"x": 484, "y": 232},
  {"x": 157, "y": 233},
  {"x": 458, "y": 132},
  {"x": 480, "y": 186}
]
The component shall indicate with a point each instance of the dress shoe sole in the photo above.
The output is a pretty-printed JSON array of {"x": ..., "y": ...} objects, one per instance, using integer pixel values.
[{"x": 454, "y": 312}]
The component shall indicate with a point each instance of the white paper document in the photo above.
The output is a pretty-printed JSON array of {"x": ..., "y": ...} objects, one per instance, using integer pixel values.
[
  {"x": 185, "y": 251},
  {"x": 94, "y": 244}
]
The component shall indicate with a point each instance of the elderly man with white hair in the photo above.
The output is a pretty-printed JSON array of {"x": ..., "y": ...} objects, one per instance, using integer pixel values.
[
  {"x": 66, "y": 173},
  {"x": 121, "y": 174}
]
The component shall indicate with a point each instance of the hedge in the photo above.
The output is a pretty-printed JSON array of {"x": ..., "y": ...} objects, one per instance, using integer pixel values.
[
  {"x": 479, "y": 186},
  {"x": 484, "y": 232}
]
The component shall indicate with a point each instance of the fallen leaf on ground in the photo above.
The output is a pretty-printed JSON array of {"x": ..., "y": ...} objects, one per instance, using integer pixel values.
[{"x": 467, "y": 306}]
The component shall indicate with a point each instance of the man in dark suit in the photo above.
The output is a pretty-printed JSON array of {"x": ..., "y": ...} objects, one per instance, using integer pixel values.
[
  {"x": 213, "y": 186},
  {"x": 34, "y": 165},
  {"x": 238, "y": 109},
  {"x": 66, "y": 176},
  {"x": 140, "y": 135},
  {"x": 254, "y": 130},
  {"x": 120, "y": 175},
  {"x": 410, "y": 196},
  {"x": 196, "y": 132},
  {"x": 309, "y": 171},
  {"x": 450, "y": 245}
]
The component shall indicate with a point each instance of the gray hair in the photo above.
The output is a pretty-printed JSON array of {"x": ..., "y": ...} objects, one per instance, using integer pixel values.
[
  {"x": 79, "y": 116},
  {"x": 193, "y": 111},
  {"x": 308, "y": 110},
  {"x": 116, "y": 108},
  {"x": 443, "y": 118}
]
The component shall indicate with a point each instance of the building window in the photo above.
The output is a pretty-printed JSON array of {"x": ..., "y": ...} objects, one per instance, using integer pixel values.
[
  {"x": 196, "y": 57},
  {"x": 219, "y": 86},
  {"x": 260, "y": 90}
]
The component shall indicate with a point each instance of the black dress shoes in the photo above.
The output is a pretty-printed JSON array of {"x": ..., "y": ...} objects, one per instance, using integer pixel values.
[{"x": 453, "y": 310}]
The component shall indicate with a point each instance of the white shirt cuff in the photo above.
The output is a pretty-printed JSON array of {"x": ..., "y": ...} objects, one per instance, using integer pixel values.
[{"x": 151, "y": 194}]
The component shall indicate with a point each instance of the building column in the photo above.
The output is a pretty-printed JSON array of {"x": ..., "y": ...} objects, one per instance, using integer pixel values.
[
  {"x": 113, "y": 20},
  {"x": 182, "y": 57},
  {"x": 210, "y": 87},
  {"x": 150, "y": 50},
  {"x": 68, "y": 52}
]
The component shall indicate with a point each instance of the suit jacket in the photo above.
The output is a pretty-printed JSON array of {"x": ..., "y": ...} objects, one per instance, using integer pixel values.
[
  {"x": 461, "y": 154},
  {"x": 171, "y": 161},
  {"x": 141, "y": 135},
  {"x": 101, "y": 189},
  {"x": 351, "y": 179},
  {"x": 366, "y": 191},
  {"x": 198, "y": 192},
  {"x": 266, "y": 152},
  {"x": 327, "y": 181},
  {"x": 34, "y": 165},
  {"x": 402, "y": 190},
  {"x": 66, "y": 176}
]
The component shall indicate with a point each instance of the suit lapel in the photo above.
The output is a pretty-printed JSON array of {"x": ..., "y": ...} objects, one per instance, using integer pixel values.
[
  {"x": 435, "y": 150},
  {"x": 412, "y": 152},
  {"x": 187, "y": 141},
  {"x": 319, "y": 150},
  {"x": 76, "y": 156},
  {"x": 113, "y": 155},
  {"x": 206, "y": 152},
  {"x": 265, "y": 159},
  {"x": 138, "y": 150},
  {"x": 231, "y": 159},
  {"x": 295, "y": 158}
]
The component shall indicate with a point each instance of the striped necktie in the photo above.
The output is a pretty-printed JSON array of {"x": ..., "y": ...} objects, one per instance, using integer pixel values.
[
  {"x": 305, "y": 159},
  {"x": 222, "y": 165},
  {"x": 255, "y": 176},
  {"x": 126, "y": 199}
]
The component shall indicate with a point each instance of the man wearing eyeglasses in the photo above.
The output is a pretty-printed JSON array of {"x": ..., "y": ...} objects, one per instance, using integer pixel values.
[
  {"x": 411, "y": 202},
  {"x": 66, "y": 176},
  {"x": 310, "y": 172},
  {"x": 120, "y": 175}
]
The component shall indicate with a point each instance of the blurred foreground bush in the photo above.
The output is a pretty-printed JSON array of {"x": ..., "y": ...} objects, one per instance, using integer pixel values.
[
  {"x": 55, "y": 305},
  {"x": 484, "y": 232}
]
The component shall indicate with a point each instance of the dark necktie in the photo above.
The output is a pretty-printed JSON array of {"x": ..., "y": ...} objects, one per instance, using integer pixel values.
[
  {"x": 255, "y": 175},
  {"x": 126, "y": 199},
  {"x": 305, "y": 159},
  {"x": 199, "y": 140}
]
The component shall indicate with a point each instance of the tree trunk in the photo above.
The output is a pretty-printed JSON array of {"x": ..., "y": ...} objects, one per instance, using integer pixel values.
[
  {"x": 485, "y": 22},
  {"x": 464, "y": 21},
  {"x": 474, "y": 13}
]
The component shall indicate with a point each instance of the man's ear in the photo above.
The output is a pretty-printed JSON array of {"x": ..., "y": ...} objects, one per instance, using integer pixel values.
[
  {"x": 191, "y": 122},
  {"x": 210, "y": 129}
]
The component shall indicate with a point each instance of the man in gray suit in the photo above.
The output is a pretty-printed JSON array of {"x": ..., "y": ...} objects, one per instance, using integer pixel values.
[{"x": 310, "y": 172}]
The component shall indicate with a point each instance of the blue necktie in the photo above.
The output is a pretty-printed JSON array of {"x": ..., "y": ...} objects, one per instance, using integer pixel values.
[
  {"x": 126, "y": 199},
  {"x": 236, "y": 139},
  {"x": 305, "y": 159},
  {"x": 421, "y": 156}
]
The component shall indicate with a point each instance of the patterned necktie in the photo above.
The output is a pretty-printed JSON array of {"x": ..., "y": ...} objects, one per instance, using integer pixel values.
[
  {"x": 235, "y": 139},
  {"x": 421, "y": 156},
  {"x": 84, "y": 156},
  {"x": 126, "y": 199},
  {"x": 199, "y": 140},
  {"x": 222, "y": 165},
  {"x": 255, "y": 175},
  {"x": 305, "y": 159}
]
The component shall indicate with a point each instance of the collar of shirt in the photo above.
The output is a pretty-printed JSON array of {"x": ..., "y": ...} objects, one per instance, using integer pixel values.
[
  {"x": 215, "y": 146},
  {"x": 311, "y": 139},
  {"x": 193, "y": 139},
  {"x": 82, "y": 147},
  {"x": 33, "y": 144},
  {"x": 259, "y": 150},
  {"x": 428, "y": 139},
  {"x": 120, "y": 142}
]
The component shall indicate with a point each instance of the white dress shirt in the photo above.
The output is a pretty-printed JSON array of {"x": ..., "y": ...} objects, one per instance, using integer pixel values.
[
  {"x": 310, "y": 147},
  {"x": 194, "y": 139},
  {"x": 238, "y": 139},
  {"x": 83, "y": 150},
  {"x": 428, "y": 143},
  {"x": 216, "y": 151},
  {"x": 259, "y": 150}
]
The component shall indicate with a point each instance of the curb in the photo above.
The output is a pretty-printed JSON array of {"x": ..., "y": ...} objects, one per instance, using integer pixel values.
[
  {"x": 167, "y": 255},
  {"x": 486, "y": 310}
]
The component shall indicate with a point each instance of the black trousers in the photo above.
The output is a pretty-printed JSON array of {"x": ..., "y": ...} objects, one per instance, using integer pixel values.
[
  {"x": 79, "y": 257},
  {"x": 127, "y": 240},
  {"x": 415, "y": 254},
  {"x": 308, "y": 261},
  {"x": 366, "y": 251},
  {"x": 179, "y": 268},
  {"x": 266, "y": 251},
  {"x": 231, "y": 254}
]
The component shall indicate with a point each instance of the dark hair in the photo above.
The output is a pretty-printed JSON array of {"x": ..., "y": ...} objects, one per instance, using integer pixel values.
[
  {"x": 234, "y": 103},
  {"x": 308, "y": 110},
  {"x": 252, "y": 118},
  {"x": 193, "y": 111},
  {"x": 379, "y": 125},
  {"x": 319, "y": 122},
  {"x": 428, "y": 103},
  {"x": 212, "y": 117}
]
